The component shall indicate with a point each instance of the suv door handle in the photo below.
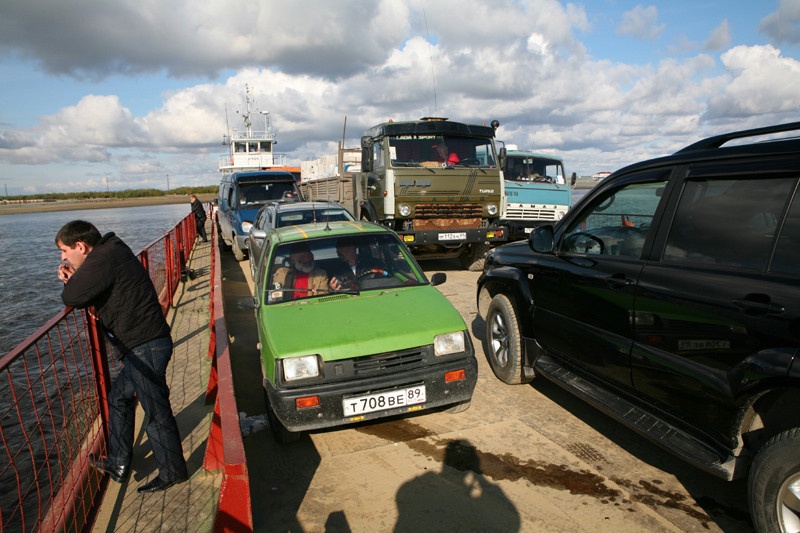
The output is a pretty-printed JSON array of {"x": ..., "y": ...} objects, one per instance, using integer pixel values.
[
  {"x": 618, "y": 281},
  {"x": 758, "y": 304}
]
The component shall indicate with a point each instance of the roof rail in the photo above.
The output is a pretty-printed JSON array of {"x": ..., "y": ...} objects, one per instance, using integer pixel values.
[{"x": 718, "y": 140}]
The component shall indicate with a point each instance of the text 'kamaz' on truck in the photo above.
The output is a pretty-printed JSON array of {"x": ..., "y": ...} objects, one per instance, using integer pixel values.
[
  {"x": 536, "y": 190},
  {"x": 435, "y": 182}
]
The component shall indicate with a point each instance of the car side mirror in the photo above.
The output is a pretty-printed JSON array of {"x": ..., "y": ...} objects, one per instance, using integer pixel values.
[
  {"x": 438, "y": 278},
  {"x": 247, "y": 303},
  {"x": 542, "y": 240},
  {"x": 258, "y": 233},
  {"x": 573, "y": 179}
]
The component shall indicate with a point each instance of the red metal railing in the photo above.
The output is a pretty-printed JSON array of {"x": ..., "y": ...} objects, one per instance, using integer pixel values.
[
  {"x": 54, "y": 410},
  {"x": 224, "y": 448}
]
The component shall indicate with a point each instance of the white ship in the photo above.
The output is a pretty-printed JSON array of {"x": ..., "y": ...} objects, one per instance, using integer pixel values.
[{"x": 252, "y": 148}]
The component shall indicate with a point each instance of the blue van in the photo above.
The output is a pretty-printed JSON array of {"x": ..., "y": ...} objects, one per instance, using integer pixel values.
[{"x": 241, "y": 195}]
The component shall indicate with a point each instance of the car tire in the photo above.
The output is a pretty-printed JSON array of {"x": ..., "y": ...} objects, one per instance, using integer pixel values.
[
  {"x": 279, "y": 431},
  {"x": 459, "y": 407},
  {"x": 474, "y": 256},
  {"x": 774, "y": 484},
  {"x": 238, "y": 253},
  {"x": 503, "y": 341}
]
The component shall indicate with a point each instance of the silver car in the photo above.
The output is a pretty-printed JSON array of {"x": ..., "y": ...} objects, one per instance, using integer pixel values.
[{"x": 277, "y": 214}]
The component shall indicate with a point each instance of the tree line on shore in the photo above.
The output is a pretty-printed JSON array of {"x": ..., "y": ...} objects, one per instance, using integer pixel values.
[{"x": 129, "y": 193}]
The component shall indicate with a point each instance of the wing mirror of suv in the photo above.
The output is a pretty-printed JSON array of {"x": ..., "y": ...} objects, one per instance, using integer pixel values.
[
  {"x": 541, "y": 240},
  {"x": 438, "y": 278}
]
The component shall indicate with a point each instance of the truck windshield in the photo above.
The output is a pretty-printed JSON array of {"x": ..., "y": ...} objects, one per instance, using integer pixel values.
[
  {"x": 440, "y": 151},
  {"x": 534, "y": 168}
]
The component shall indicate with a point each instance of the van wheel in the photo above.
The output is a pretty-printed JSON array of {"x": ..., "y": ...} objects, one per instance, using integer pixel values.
[
  {"x": 474, "y": 256},
  {"x": 238, "y": 253},
  {"x": 774, "y": 484},
  {"x": 503, "y": 340}
]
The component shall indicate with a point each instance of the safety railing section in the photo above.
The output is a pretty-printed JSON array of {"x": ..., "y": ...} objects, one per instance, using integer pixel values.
[
  {"x": 225, "y": 448},
  {"x": 54, "y": 408}
]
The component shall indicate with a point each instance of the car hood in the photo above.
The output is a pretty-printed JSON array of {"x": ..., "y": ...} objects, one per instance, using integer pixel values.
[{"x": 342, "y": 326}]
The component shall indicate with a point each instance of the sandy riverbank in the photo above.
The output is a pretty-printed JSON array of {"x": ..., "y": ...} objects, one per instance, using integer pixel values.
[{"x": 98, "y": 203}]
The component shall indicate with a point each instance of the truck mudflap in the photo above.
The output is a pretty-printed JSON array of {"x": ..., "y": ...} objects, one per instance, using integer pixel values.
[
  {"x": 454, "y": 236},
  {"x": 379, "y": 397}
]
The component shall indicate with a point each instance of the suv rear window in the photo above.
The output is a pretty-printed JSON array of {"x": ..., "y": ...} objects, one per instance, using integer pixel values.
[{"x": 728, "y": 222}]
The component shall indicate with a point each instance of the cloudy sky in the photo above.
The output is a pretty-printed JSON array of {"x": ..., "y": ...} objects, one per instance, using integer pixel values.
[{"x": 132, "y": 93}]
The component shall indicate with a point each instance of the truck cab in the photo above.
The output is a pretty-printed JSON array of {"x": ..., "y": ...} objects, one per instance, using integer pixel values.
[
  {"x": 437, "y": 184},
  {"x": 536, "y": 188}
]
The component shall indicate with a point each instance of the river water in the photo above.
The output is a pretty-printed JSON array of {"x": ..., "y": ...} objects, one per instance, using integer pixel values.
[{"x": 30, "y": 292}]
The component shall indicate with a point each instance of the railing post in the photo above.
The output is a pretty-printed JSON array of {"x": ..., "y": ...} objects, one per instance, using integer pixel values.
[{"x": 102, "y": 376}]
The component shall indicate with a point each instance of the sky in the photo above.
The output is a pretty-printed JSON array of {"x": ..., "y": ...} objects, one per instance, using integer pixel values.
[{"x": 127, "y": 94}]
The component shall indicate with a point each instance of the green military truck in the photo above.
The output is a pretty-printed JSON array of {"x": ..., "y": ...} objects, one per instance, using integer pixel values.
[{"x": 433, "y": 181}]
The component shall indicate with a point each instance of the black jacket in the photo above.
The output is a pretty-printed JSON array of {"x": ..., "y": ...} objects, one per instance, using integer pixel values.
[
  {"x": 198, "y": 211},
  {"x": 114, "y": 281}
]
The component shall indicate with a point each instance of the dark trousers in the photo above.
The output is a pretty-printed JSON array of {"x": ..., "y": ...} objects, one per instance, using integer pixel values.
[
  {"x": 201, "y": 228},
  {"x": 143, "y": 376}
]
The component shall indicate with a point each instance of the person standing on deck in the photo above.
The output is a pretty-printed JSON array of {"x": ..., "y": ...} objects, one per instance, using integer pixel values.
[
  {"x": 199, "y": 217},
  {"x": 104, "y": 273}
]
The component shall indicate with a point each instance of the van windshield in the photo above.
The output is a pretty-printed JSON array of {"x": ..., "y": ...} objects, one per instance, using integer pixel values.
[{"x": 259, "y": 193}]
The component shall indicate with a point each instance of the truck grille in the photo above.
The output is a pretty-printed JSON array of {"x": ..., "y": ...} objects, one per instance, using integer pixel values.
[
  {"x": 449, "y": 211},
  {"x": 527, "y": 213}
]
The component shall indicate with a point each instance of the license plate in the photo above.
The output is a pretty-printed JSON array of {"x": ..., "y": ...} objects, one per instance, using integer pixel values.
[
  {"x": 383, "y": 400},
  {"x": 461, "y": 236}
]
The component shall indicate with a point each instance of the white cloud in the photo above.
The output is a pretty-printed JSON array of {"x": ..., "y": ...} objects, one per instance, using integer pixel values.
[
  {"x": 762, "y": 83},
  {"x": 641, "y": 22},
  {"x": 720, "y": 37}
]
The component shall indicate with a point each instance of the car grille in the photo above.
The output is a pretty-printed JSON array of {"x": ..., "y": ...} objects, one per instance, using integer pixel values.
[{"x": 388, "y": 363}]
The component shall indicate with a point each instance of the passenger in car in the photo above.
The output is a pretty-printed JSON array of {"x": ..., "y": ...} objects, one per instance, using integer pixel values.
[{"x": 302, "y": 278}]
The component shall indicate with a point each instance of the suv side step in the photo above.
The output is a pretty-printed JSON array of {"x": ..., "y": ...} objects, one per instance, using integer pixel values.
[{"x": 657, "y": 430}]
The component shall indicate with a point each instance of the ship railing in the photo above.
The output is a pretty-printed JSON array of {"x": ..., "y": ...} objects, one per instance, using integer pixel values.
[
  {"x": 54, "y": 406},
  {"x": 252, "y": 160}
]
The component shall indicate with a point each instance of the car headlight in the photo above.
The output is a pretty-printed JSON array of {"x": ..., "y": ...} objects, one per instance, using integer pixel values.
[
  {"x": 300, "y": 367},
  {"x": 246, "y": 227},
  {"x": 404, "y": 210},
  {"x": 448, "y": 343},
  {"x": 491, "y": 209}
]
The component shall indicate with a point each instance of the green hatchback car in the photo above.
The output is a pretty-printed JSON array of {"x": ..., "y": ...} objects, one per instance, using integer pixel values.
[{"x": 351, "y": 330}]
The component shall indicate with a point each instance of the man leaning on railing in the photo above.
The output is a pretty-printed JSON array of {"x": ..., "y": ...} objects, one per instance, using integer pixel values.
[{"x": 104, "y": 273}]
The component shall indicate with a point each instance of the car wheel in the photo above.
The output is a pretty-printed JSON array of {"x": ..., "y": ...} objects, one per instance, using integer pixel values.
[
  {"x": 774, "y": 484},
  {"x": 279, "y": 431},
  {"x": 503, "y": 340},
  {"x": 238, "y": 253},
  {"x": 474, "y": 256},
  {"x": 460, "y": 407}
]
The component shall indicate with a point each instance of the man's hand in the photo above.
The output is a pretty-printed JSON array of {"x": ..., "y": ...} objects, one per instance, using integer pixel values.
[
  {"x": 65, "y": 271},
  {"x": 335, "y": 284}
]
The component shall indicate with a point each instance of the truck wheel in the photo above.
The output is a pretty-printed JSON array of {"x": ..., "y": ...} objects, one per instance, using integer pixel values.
[
  {"x": 474, "y": 256},
  {"x": 774, "y": 484},
  {"x": 502, "y": 338},
  {"x": 238, "y": 253}
]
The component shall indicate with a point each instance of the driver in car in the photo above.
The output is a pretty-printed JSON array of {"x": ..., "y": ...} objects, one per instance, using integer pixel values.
[{"x": 353, "y": 265}]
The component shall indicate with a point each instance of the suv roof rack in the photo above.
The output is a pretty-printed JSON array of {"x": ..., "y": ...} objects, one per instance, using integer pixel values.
[{"x": 715, "y": 142}]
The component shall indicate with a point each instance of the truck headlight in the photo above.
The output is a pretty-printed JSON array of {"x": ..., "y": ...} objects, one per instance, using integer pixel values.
[
  {"x": 560, "y": 215},
  {"x": 448, "y": 343},
  {"x": 246, "y": 227},
  {"x": 404, "y": 210},
  {"x": 491, "y": 209},
  {"x": 300, "y": 367}
]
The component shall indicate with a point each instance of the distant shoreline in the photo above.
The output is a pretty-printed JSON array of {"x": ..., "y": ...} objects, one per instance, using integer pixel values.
[{"x": 99, "y": 203}]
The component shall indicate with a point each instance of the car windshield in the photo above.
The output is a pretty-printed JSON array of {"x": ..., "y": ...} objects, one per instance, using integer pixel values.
[
  {"x": 259, "y": 193},
  {"x": 312, "y": 268},
  {"x": 308, "y": 216},
  {"x": 440, "y": 151}
]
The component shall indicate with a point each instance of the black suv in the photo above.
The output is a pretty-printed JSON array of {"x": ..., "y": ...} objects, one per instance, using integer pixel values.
[{"x": 669, "y": 298}]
